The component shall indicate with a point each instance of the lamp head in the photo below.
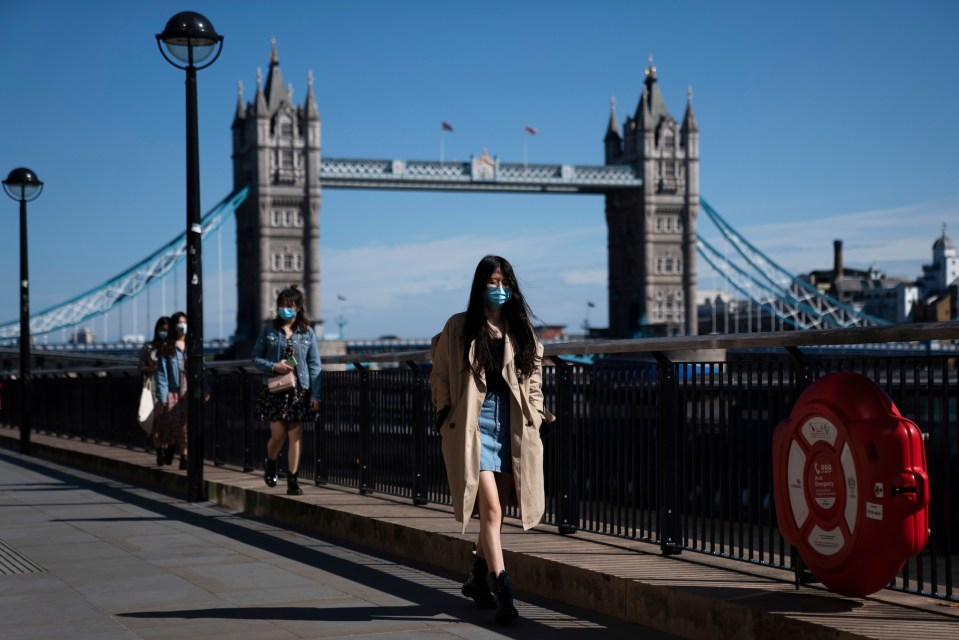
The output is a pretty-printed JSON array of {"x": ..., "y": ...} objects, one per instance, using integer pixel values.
[
  {"x": 23, "y": 184},
  {"x": 190, "y": 38}
]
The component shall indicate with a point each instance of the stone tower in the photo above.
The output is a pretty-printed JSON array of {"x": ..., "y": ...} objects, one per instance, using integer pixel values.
[
  {"x": 276, "y": 151},
  {"x": 652, "y": 230}
]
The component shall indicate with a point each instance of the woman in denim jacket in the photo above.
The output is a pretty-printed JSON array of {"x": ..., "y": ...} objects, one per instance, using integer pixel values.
[
  {"x": 287, "y": 344},
  {"x": 171, "y": 418}
]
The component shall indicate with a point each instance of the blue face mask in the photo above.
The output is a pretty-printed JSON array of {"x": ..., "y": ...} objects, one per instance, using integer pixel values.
[
  {"x": 162, "y": 335},
  {"x": 286, "y": 313},
  {"x": 497, "y": 296}
]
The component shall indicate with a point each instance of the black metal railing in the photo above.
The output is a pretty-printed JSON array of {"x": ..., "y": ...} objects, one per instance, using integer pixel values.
[{"x": 662, "y": 440}]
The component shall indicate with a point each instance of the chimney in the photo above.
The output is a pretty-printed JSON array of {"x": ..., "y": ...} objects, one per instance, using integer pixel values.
[{"x": 837, "y": 260}]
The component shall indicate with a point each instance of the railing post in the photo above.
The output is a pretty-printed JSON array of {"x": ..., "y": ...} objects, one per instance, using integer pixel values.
[
  {"x": 566, "y": 470},
  {"x": 419, "y": 435},
  {"x": 366, "y": 428},
  {"x": 321, "y": 473},
  {"x": 670, "y": 463},
  {"x": 212, "y": 385},
  {"x": 801, "y": 574},
  {"x": 247, "y": 423}
]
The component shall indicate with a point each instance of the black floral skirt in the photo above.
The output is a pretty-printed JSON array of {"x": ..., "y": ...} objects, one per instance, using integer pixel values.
[{"x": 289, "y": 406}]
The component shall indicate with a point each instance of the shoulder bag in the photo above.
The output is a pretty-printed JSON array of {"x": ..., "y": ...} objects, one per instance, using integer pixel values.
[{"x": 282, "y": 382}]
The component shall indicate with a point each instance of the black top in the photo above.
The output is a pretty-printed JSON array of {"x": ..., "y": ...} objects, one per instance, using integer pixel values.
[{"x": 494, "y": 376}]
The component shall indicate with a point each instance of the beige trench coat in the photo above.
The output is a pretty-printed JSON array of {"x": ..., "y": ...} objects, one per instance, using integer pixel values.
[{"x": 452, "y": 385}]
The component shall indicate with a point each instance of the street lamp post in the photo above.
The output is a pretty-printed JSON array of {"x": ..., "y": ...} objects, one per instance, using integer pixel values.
[
  {"x": 23, "y": 185},
  {"x": 191, "y": 39}
]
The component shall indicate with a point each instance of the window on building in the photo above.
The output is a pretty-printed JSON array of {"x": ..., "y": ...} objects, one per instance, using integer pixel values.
[
  {"x": 659, "y": 223},
  {"x": 286, "y": 129},
  {"x": 287, "y": 218},
  {"x": 276, "y": 262},
  {"x": 669, "y": 140},
  {"x": 669, "y": 169},
  {"x": 298, "y": 219},
  {"x": 668, "y": 265},
  {"x": 659, "y": 266},
  {"x": 277, "y": 215}
]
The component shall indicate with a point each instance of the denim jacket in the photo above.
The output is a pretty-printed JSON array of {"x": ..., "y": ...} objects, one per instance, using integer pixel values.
[
  {"x": 269, "y": 349},
  {"x": 168, "y": 375}
]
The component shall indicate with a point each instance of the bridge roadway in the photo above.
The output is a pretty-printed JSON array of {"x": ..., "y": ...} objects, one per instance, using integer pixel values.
[{"x": 88, "y": 549}]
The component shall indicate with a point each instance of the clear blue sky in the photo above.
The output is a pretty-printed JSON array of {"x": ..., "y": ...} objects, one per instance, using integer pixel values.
[{"x": 819, "y": 120}]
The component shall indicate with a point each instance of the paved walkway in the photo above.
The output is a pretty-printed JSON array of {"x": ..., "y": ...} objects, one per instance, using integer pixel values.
[
  {"x": 86, "y": 557},
  {"x": 199, "y": 570}
]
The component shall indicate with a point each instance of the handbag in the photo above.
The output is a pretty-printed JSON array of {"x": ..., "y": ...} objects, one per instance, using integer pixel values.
[
  {"x": 145, "y": 412},
  {"x": 281, "y": 383}
]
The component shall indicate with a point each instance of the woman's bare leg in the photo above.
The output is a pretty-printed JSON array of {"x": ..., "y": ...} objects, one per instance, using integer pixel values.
[
  {"x": 491, "y": 520},
  {"x": 277, "y": 436},
  {"x": 295, "y": 433}
]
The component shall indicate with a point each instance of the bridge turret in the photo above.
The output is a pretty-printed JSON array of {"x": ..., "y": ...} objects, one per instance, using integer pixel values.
[
  {"x": 259, "y": 101},
  {"x": 276, "y": 91},
  {"x": 239, "y": 128},
  {"x": 690, "y": 144},
  {"x": 240, "y": 107},
  {"x": 613, "y": 139}
]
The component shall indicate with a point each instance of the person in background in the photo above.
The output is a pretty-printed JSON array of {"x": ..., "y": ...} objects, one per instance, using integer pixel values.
[
  {"x": 149, "y": 363},
  {"x": 171, "y": 392},
  {"x": 486, "y": 385},
  {"x": 286, "y": 344}
]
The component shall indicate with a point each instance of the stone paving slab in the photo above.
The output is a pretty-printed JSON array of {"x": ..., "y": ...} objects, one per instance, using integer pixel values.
[
  {"x": 119, "y": 561},
  {"x": 691, "y": 596}
]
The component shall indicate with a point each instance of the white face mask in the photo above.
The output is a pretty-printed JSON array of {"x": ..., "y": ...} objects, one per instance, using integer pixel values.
[{"x": 181, "y": 328}]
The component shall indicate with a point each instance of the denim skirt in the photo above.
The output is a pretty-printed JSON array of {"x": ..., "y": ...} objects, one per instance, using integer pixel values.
[{"x": 495, "y": 449}]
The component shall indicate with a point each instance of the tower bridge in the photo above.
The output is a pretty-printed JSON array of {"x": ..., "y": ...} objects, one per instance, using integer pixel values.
[{"x": 649, "y": 181}]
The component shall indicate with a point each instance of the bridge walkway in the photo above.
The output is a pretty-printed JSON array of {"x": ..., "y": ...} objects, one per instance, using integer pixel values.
[{"x": 406, "y": 562}]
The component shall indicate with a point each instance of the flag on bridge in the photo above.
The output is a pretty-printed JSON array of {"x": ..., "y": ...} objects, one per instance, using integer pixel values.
[
  {"x": 530, "y": 130},
  {"x": 446, "y": 126}
]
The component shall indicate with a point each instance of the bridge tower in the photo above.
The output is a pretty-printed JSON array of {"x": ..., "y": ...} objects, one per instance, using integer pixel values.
[
  {"x": 652, "y": 230},
  {"x": 276, "y": 151}
]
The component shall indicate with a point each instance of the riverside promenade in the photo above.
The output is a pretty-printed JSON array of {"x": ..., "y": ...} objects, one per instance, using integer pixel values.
[{"x": 97, "y": 542}]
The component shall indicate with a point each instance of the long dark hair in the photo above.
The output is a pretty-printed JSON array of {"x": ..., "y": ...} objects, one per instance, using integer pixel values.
[
  {"x": 516, "y": 312},
  {"x": 157, "y": 342},
  {"x": 292, "y": 296},
  {"x": 169, "y": 349}
]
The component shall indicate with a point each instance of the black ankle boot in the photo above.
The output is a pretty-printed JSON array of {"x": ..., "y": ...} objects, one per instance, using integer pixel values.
[
  {"x": 168, "y": 455},
  {"x": 505, "y": 611},
  {"x": 160, "y": 460},
  {"x": 269, "y": 472},
  {"x": 292, "y": 486},
  {"x": 183, "y": 463},
  {"x": 475, "y": 586}
]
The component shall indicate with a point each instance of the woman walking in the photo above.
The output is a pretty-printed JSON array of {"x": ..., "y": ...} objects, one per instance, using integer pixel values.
[
  {"x": 171, "y": 392},
  {"x": 149, "y": 364},
  {"x": 486, "y": 385},
  {"x": 287, "y": 344}
]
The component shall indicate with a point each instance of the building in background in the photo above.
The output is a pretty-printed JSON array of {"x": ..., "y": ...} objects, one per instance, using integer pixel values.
[{"x": 940, "y": 283}]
